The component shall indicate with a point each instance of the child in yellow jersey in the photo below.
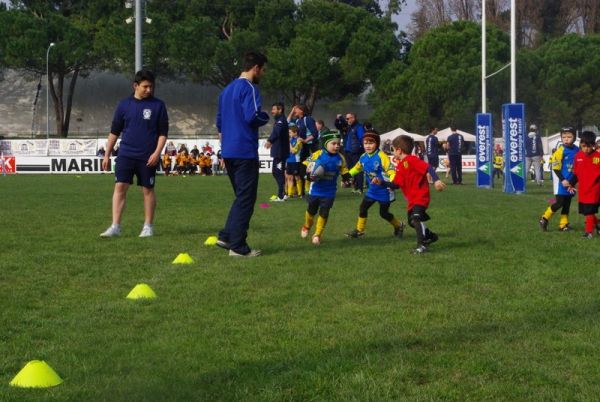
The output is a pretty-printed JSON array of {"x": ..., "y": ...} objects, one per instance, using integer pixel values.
[
  {"x": 182, "y": 160},
  {"x": 498, "y": 163},
  {"x": 324, "y": 167},
  {"x": 166, "y": 164},
  {"x": 379, "y": 170},
  {"x": 292, "y": 164}
]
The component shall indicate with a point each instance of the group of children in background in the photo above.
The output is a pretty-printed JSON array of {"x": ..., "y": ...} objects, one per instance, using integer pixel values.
[
  {"x": 575, "y": 166},
  {"x": 182, "y": 162}
]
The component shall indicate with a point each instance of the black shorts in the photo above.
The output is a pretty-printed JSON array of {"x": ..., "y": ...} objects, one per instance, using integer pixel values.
[
  {"x": 320, "y": 202},
  {"x": 418, "y": 211},
  {"x": 588, "y": 209},
  {"x": 292, "y": 168},
  {"x": 126, "y": 168}
]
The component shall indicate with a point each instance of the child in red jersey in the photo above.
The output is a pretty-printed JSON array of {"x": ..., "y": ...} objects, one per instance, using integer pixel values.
[
  {"x": 586, "y": 172},
  {"x": 411, "y": 177}
]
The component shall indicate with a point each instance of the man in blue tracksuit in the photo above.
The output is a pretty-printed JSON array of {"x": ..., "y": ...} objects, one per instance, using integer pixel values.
[
  {"x": 432, "y": 148},
  {"x": 455, "y": 145},
  {"x": 353, "y": 147},
  {"x": 238, "y": 118},
  {"x": 279, "y": 144}
]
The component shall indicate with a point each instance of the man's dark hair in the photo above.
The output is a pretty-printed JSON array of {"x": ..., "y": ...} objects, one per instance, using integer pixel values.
[
  {"x": 280, "y": 106},
  {"x": 252, "y": 59},
  {"x": 144, "y": 75},
  {"x": 588, "y": 138},
  {"x": 405, "y": 143},
  {"x": 453, "y": 128}
]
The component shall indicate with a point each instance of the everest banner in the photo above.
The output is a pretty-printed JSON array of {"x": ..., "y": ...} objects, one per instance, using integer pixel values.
[
  {"x": 513, "y": 127},
  {"x": 483, "y": 146}
]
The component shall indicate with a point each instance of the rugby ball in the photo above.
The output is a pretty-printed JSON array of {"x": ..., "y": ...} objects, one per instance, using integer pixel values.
[{"x": 318, "y": 172}]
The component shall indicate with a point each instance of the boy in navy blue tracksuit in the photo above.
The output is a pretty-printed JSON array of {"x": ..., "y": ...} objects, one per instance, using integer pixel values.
[
  {"x": 279, "y": 144},
  {"x": 238, "y": 118}
]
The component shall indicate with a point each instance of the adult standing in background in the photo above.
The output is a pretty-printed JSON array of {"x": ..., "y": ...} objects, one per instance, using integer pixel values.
[
  {"x": 238, "y": 118},
  {"x": 455, "y": 146},
  {"x": 279, "y": 144},
  {"x": 534, "y": 152},
  {"x": 432, "y": 148},
  {"x": 143, "y": 122},
  {"x": 353, "y": 148}
]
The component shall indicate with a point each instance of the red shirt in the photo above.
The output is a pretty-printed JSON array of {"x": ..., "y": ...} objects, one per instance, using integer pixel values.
[
  {"x": 411, "y": 176},
  {"x": 587, "y": 170}
]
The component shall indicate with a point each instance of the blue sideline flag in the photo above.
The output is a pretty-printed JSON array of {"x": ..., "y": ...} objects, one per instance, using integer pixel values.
[
  {"x": 484, "y": 144},
  {"x": 513, "y": 126}
]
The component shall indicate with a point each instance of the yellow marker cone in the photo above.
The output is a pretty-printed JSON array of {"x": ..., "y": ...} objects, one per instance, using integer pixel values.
[
  {"x": 211, "y": 241},
  {"x": 36, "y": 374},
  {"x": 184, "y": 258},
  {"x": 141, "y": 291}
]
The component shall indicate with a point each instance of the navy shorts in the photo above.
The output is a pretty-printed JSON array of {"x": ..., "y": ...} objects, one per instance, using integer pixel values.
[
  {"x": 292, "y": 168},
  {"x": 588, "y": 209},
  {"x": 126, "y": 168}
]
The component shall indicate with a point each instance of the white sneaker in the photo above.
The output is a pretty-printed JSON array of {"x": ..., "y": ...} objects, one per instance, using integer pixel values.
[
  {"x": 278, "y": 199},
  {"x": 316, "y": 240},
  {"x": 112, "y": 231},
  {"x": 147, "y": 231}
]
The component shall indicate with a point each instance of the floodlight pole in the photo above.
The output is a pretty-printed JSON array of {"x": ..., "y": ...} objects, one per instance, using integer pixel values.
[
  {"x": 513, "y": 52},
  {"x": 138, "y": 35},
  {"x": 50, "y": 46},
  {"x": 483, "y": 58}
]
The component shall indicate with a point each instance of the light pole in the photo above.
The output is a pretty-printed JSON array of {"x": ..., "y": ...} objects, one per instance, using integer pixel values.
[{"x": 48, "y": 94}]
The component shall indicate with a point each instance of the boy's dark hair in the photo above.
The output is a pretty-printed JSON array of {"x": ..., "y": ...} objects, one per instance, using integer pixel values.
[
  {"x": 252, "y": 59},
  {"x": 453, "y": 128},
  {"x": 280, "y": 106},
  {"x": 405, "y": 143},
  {"x": 143, "y": 75},
  {"x": 588, "y": 138},
  {"x": 293, "y": 128},
  {"x": 302, "y": 107},
  {"x": 321, "y": 122}
]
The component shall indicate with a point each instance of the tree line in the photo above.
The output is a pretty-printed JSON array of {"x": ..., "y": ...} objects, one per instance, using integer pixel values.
[{"x": 320, "y": 49}]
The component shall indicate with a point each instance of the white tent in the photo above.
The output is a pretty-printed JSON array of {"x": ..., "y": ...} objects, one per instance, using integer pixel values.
[
  {"x": 400, "y": 131},
  {"x": 443, "y": 135}
]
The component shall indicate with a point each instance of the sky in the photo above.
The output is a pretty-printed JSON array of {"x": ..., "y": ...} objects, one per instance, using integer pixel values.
[{"x": 403, "y": 18}]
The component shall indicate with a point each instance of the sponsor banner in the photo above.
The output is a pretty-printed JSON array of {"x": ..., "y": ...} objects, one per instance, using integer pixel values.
[
  {"x": 8, "y": 165},
  {"x": 72, "y": 147},
  {"x": 92, "y": 164},
  {"x": 24, "y": 147},
  {"x": 483, "y": 146},
  {"x": 513, "y": 127}
]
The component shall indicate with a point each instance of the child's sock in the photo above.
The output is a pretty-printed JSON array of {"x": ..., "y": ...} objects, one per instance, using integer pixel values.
[
  {"x": 361, "y": 223},
  {"x": 306, "y": 186},
  {"x": 590, "y": 223},
  {"x": 308, "y": 220},
  {"x": 564, "y": 221},
  {"x": 321, "y": 222},
  {"x": 394, "y": 222},
  {"x": 548, "y": 214},
  {"x": 299, "y": 186}
]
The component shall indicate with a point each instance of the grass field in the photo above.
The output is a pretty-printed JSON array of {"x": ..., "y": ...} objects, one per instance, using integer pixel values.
[{"x": 497, "y": 310}]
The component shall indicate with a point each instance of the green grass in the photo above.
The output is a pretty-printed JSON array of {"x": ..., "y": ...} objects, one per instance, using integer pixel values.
[{"x": 496, "y": 311}]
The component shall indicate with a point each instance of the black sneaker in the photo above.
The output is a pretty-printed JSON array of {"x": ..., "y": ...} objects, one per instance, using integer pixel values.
[
  {"x": 399, "y": 231},
  {"x": 587, "y": 236},
  {"x": 430, "y": 238},
  {"x": 355, "y": 234},
  {"x": 544, "y": 224},
  {"x": 420, "y": 250},
  {"x": 565, "y": 228},
  {"x": 598, "y": 230}
]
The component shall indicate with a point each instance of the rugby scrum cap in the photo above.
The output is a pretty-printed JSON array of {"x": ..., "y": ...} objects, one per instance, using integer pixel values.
[
  {"x": 329, "y": 136},
  {"x": 568, "y": 129},
  {"x": 372, "y": 134},
  {"x": 533, "y": 127}
]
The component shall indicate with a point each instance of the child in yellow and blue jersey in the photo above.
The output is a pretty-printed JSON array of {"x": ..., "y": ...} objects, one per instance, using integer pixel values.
[
  {"x": 498, "y": 163},
  {"x": 323, "y": 168},
  {"x": 379, "y": 170},
  {"x": 292, "y": 164},
  {"x": 562, "y": 161}
]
